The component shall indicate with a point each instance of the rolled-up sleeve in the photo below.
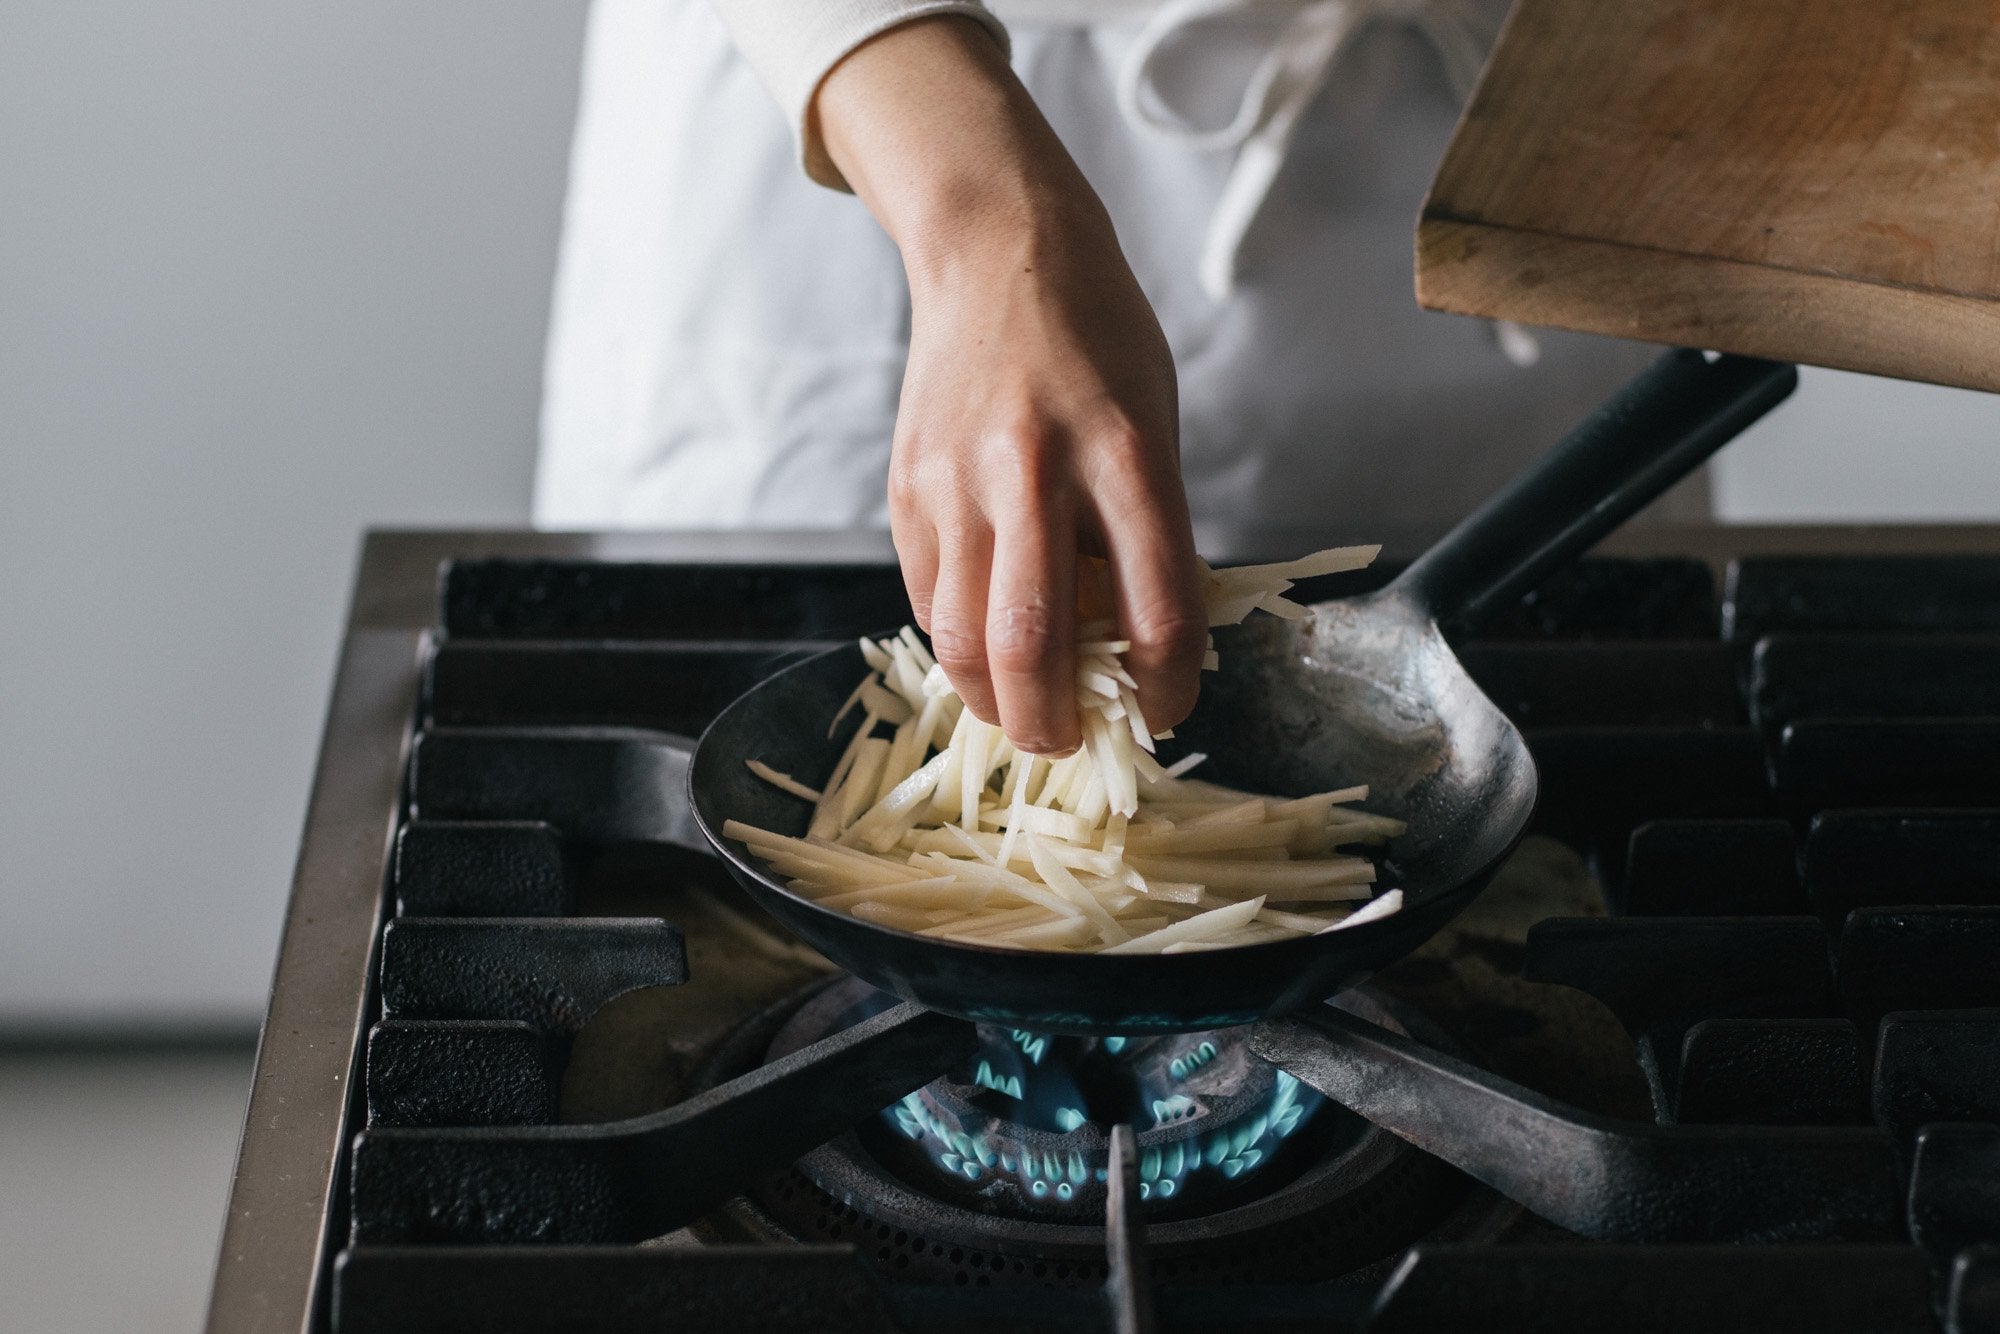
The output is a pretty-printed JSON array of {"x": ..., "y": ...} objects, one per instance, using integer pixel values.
[{"x": 793, "y": 43}]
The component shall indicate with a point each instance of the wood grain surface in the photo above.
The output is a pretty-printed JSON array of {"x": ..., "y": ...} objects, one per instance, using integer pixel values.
[{"x": 1814, "y": 180}]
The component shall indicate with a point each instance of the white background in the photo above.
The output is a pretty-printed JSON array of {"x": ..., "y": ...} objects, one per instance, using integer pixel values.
[
  {"x": 273, "y": 272},
  {"x": 269, "y": 272}
]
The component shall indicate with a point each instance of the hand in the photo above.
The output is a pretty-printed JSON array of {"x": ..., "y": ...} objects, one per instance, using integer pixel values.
[{"x": 1039, "y": 413}]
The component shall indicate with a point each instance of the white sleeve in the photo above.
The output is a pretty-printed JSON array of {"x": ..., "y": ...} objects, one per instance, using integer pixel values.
[{"x": 793, "y": 43}]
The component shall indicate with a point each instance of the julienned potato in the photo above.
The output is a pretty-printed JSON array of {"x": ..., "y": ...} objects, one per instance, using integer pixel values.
[{"x": 1104, "y": 851}]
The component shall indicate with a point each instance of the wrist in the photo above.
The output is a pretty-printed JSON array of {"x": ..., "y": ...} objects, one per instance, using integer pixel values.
[{"x": 995, "y": 222}]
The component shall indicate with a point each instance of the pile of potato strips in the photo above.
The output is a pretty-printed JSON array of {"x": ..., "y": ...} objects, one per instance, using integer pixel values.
[{"x": 941, "y": 828}]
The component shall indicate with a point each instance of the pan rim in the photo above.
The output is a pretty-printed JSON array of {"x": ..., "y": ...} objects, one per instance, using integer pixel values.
[{"x": 742, "y": 861}]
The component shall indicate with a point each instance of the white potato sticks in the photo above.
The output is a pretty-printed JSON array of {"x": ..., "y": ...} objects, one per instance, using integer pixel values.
[{"x": 942, "y": 828}]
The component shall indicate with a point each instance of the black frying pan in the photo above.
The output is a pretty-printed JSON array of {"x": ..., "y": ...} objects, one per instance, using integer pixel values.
[{"x": 1367, "y": 691}]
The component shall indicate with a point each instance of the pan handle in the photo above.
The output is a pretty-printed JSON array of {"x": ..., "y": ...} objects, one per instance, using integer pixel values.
[
  {"x": 1681, "y": 409},
  {"x": 599, "y": 784}
]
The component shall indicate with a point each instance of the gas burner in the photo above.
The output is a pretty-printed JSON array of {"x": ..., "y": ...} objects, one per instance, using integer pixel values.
[
  {"x": 1251, "y": 1177},
  {"x": 1023, "y": 1129}
]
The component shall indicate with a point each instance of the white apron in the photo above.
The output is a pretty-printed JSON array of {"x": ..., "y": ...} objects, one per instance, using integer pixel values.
[{"x": 727, "y": 338}]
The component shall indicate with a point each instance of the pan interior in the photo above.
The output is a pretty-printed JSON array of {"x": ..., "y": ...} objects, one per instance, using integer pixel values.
[
  {"x": 1365, "y": 692},
  {"x": 783, "y": 722},
  {"x": 1368, "y": 691}
]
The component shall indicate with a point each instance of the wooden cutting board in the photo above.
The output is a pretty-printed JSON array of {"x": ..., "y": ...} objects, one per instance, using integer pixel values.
[{"x": 1811, "y": 180}]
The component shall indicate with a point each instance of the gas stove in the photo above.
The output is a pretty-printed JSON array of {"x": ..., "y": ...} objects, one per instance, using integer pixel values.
[{"x": 1719, "y": 1049}]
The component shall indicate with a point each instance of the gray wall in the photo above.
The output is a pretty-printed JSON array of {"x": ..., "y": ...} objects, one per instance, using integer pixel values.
[
  {"x": 272, "y": 272},
  {"x": 268, "y": 273},
  {"x": 1854, "y": 447}
]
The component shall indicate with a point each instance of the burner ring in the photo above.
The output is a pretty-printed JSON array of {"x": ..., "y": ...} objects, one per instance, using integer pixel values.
[
  {"x": 1239, "y": 1128},
  {"x": 1347, "y": 1216}
]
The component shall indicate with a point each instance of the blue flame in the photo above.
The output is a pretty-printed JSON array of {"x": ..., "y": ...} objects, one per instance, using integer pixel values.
[
  {"x": 1062, "y": 1173},
  {"x": 1007, "y": 1084},
  {"x": 1183, "y": 1066}
]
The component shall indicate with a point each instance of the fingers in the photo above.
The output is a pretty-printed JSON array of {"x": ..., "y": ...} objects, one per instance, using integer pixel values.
[
  {"x": 1151, "y": 544},
  {"x": 917, "y": 552},
  {"x": 958, "y": 614},
  {"x": 1031, "y": 631}
]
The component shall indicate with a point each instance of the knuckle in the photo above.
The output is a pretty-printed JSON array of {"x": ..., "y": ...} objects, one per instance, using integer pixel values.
[
  {"x": 1033, "y": 469},
  {"x": 908, "y": 486},
  {"x": 1023, "y": 428},
  {"x": 1169, "y": 632},
  {"x": 1021, "y": 635},
  {"x": 1036, "y": 443},
  {"x": 1127, "y": 456},
  {"x": 1123, "y": 439},
  {"x": 957, "y": 648}
]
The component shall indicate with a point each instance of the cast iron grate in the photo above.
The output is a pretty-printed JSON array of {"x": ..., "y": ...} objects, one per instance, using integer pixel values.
[{"x": 1791, "y": 791}]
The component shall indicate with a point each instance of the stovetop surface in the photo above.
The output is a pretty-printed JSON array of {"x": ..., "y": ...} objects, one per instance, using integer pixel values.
[{"x": 1724, "y": 1025}]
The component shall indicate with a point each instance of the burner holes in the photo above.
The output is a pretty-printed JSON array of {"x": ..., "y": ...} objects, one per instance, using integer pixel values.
[
  {"x": 961, "y": 1278},
  {"x": 937, "y": 1250},
  {"x": 1020, "y": 1267},
  {"x": 1041, "y": 1269},
  {"x": 1062, "y": 1271},
  {"x": 902, "y": 1238},
  {"x": 957, "y": 1255},
  {"x": 902, "y": 1260}
]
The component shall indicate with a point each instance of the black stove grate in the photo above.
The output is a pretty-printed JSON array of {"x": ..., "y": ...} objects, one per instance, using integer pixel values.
[{"x": 1791, "y": 793}]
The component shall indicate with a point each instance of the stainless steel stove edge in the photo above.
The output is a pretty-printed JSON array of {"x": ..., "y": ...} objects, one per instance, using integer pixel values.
[{"x": 269, "y": 1273}]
